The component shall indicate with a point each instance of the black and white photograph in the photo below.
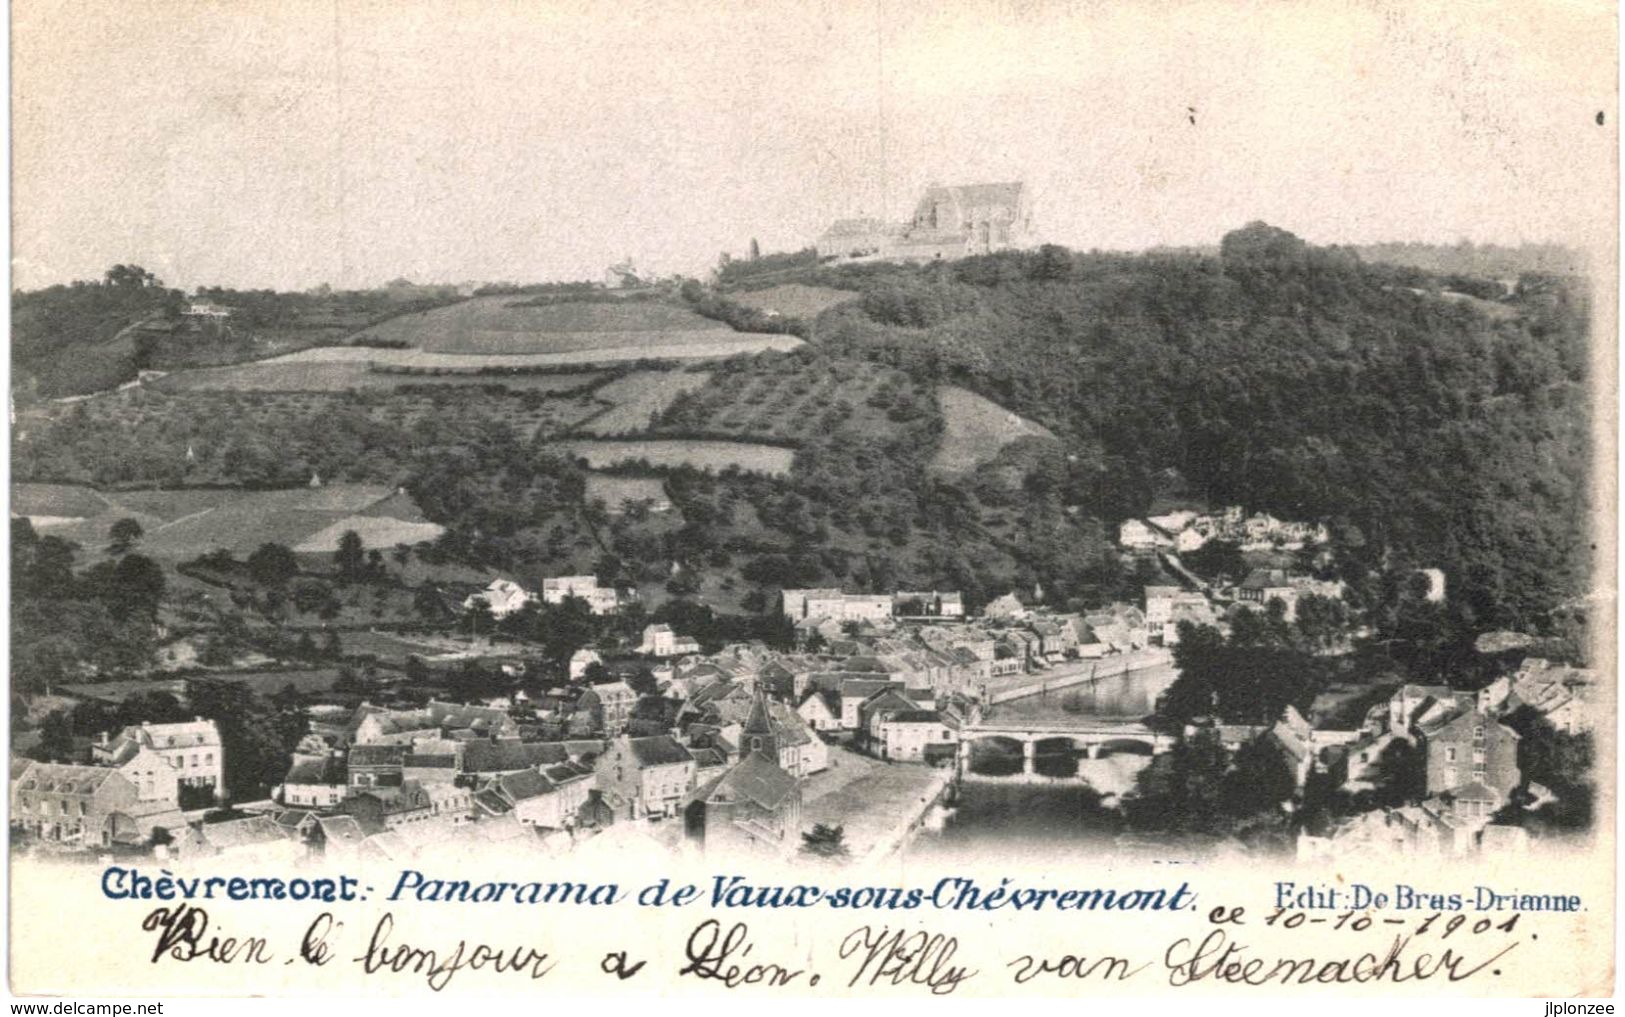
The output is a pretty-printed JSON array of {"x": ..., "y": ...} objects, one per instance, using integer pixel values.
[{"x": 522, "y": 449}]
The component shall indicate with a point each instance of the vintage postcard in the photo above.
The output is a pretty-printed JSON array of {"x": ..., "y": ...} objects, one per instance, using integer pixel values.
[{"x": 812, "y": 498}]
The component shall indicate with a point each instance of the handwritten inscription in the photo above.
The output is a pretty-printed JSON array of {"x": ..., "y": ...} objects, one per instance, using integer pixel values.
[{"x": 1439, "y": 946}]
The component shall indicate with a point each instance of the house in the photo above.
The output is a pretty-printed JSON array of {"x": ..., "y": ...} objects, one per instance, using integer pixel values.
[
  {"x": 479, "y": 761},
  {"x": 601, "y": 599},
  {"x": 193, "y": 750},
  {"x": 929, "y": 604},
  {"x": 910, "y": 736},
  {"x": 149, "y": 770},
  {"x": 608, "y": 707},
  {"x": 376, "y": 766},
  {"x": 874, "y": 711},
  {"x": 319, "y": 782},
  {"x": 753, "y": 806},
  {"x": 480, "y": 721},
  {"x": 1193, "y": 609},
  {"x": 84, "y": 806},
  {"x": 1159, "y": 605},
  {"x": 1186, "y": 541},
  {"x": 409, "y": 804},
  {"x": 661, "y": 641},
  {"x": 1413, "y": 706},
  {"x": 1293, "y": 740},
  {"x": 1006, "y": 607},
  {"x": 1559, "y": 693},
  {"x": 254, "y": 840},
  {"x": 821, "y": 709},
  {"x": 1362, "y": 760},
  {"x": 207, "y": 310},
  {"x": 550, "y": 798},
  {"x": 854, "y": 692},
  {"x": 1264, "y": 585},
  {"x": 1118, "y": 628},
  {"x": 645, "y": 777},
  {"x": 430, "y": 769},
  {"x": 503, "y": 597},
  {"x": 1473, "y": 747},
  {"x": 804, "y": 605},
  {"x": 581, "y": 660},
  {"x": 1141, "y": 536}
]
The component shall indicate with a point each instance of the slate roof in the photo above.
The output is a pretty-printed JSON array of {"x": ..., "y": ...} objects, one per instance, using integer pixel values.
[
  {"x": 64, "y": 779},
  {"x": 493, "y": 757},
  {"x": 916, "y": 717},
  {"x": 658, "y": 750},
  {"x": 430, "y": 762},
  {"x": 316, "y": 771},
  {"x": 236, "y": 833},
  {"x": 524, "y": 785},
  {"x": 755, "y": 779},
  {"x": 378, "y": 755}
]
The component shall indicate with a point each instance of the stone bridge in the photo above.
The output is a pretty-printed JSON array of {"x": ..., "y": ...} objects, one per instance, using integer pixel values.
[{"x": 1094, "y": 736}]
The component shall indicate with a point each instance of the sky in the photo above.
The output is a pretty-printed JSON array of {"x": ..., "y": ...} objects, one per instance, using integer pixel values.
[{"x": 286, "y": 144}]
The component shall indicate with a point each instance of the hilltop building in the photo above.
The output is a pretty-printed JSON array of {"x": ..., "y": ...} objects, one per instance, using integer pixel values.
[{"x": 949, "y": 222}]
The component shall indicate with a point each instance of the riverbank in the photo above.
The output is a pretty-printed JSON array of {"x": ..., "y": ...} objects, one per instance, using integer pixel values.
[{"x": 879, "y": 805}]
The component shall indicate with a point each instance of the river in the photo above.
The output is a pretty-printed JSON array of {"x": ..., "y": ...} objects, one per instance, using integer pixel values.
[{"x": 1012, "y": 821}]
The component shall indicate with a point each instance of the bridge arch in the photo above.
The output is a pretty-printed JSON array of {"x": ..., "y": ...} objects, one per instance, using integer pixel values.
[
  {"x": 1058, "y": 755},
  {"x": 1125, "y": 746},
  {"x": 994, "y": 755}
]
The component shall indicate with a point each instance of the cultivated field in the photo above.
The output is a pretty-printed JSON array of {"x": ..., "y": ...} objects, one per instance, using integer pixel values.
[
  {"x": 269, "y": 414},
  {"x": 637, "y": 397},
  {"x": 344, "y": 376},
  {"x": 181, "y": 524},
  {"x": 794, "y": 300},
  {"x": 975, "y": 429},
  {"x": 788, "y": 400},
  {"x": 705, "y": 455}
]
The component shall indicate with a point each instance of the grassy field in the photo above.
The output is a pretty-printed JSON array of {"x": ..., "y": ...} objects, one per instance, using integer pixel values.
[
  {"x": 339, "y": 376},
  {"x": 637, "y": 397},
  {"x": 616, "y": 491},
  {"x": 794, "y": 300},
  {"x": 57, "y": 501},
  {"x": 601, "y": 348},
  {"x": 975, "y": 429},
  {"x": 585, "y": 332},
  {"x": 444, "y": 327},
  {"x": 705, "y": 455}
]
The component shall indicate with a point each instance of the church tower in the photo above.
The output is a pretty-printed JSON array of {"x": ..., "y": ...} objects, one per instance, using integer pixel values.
[{"x": 759, "y": 734}]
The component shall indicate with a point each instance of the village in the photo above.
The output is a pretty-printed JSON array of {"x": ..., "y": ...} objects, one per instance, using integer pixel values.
[{"x": 849, "y": 744}]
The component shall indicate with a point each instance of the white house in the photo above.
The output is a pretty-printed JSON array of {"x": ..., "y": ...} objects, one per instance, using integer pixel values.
[
  {"x": 1139, "y": 535},
  {"x": 821, "y": 709},
  {"x": 581, "y": 660},
  {"x": 602, "y": 599},
  {"x": 661, "y": 641},
  {"x": 192, "y": 749},
  {"x": 503, "y": 597}
]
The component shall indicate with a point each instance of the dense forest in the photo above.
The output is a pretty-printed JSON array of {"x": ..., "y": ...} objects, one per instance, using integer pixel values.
[{"x": 1432, "y": 432}]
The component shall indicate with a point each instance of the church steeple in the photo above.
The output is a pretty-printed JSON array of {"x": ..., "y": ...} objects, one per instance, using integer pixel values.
[{"x": 759, "y": 734}]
